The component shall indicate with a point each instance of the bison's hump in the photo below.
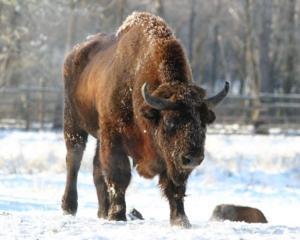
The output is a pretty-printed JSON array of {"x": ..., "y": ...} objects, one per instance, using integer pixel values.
[{"x": 153, "y": 26}]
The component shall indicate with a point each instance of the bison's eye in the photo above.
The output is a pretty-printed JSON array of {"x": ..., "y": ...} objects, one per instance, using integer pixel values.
[
  {"x": 170, "y": 125},
  {"x": 150, "y": 113}
]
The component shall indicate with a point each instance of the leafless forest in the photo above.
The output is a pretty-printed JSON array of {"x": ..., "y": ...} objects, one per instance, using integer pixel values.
[{"x": 254, "y": 44}]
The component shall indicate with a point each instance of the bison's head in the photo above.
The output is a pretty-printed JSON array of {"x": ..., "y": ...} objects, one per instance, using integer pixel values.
[{"x": 179, "y": 114}]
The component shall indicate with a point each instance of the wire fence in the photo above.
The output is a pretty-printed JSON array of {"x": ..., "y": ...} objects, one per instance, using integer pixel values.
[
  {"x": 31, "y": 108},
  {"x": 42, "y": 108}
]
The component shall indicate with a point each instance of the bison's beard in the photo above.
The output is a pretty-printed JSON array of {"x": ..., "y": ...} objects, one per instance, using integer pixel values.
[{"x": 174, "y": 172}]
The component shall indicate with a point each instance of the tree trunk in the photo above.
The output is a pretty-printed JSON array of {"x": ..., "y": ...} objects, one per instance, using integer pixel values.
[
  {"x": 191, "y": 29},
  {"x": 215, "y": 57},
  {"x": 121, "y": 4},
  {"x": 243, "y": 66},
  {"x": 71, "y": 31},
  {"x": 291, "y": 49},
  {"x": 251, "y": 64},
  {"x": 71, "y": 27},
  {"x": 159, "y": 8},
  {"x": 264, "y": 40},
  {"x": 13, "y": 52}
]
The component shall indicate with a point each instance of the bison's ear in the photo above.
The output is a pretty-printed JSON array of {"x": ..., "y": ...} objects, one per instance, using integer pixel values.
[
  {"x": 150, "y": 113},
  {"x": 211, "y": 117},
  {"x": 207, "y": 115}
]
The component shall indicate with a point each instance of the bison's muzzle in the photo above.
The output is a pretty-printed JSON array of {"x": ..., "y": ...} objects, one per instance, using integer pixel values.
[{"x": 189, "y": 161}]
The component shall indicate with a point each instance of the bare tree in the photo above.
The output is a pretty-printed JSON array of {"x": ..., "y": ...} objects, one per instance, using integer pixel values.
[
  {"x": 159, "y": 8},
  {"x": 71, "y": 29},
  {"x": 265, "y": 41},
  {"x": 10, "y": 34},
  {"x": 291, "y": 48},
  {"x": 191, "y": 29},
  {"x": 215, "y": 45},
  {"x": 120, "y": 10},
  {"x": 251, "y": 61}
]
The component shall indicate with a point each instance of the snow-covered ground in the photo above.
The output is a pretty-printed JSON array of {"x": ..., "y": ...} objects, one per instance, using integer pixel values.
[{"x": 258, "y": 171}]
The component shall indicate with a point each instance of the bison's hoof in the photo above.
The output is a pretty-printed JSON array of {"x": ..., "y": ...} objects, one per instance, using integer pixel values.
[
  {"x": 117, "y": 213},
  {"x": 102, "y": 214},
  {"x": 69, "y": 205},
  {"x": 181, "y": 221}
]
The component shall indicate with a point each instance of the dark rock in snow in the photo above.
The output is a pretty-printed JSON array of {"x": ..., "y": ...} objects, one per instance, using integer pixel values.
[
  {"x": 238, "y": 213},
  {"x": 135, "y": 215}
]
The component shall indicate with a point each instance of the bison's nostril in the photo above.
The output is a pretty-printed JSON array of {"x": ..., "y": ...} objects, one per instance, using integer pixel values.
[
  {"x": 186, "y": 160},
  {"x": 191, "y": 161}
]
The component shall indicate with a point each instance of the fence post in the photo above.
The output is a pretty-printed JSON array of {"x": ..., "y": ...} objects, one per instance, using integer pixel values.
[
  {"x": 42, "y": 104},
  {"x": 25, "y": 101},
  {"x": 58, "y": 112}
]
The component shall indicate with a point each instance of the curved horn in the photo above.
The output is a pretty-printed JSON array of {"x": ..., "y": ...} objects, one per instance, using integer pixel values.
[
  {"x": 215, "y": 100},
  {"x": 157, "y": 102}
]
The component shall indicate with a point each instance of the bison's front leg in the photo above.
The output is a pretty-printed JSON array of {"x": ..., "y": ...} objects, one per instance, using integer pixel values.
[
  {"x": 117, "y": 173},
  {"x": 175, "y": 195}
]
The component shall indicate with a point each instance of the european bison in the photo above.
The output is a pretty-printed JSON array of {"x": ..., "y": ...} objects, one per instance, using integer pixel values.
[
  {"x": 238, "y": 213},
  {"x": 133, "y": 91}
]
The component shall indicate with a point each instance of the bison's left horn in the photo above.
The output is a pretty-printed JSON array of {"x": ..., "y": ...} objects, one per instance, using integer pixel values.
[
  {"x": 157, "y": 102},
  {"x": 215, "y": 100}
]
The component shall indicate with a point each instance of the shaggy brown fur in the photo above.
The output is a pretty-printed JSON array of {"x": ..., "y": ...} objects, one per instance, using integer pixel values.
[
  {"x": 103, "y": 81},
  {"x": 238, "y": 213}
]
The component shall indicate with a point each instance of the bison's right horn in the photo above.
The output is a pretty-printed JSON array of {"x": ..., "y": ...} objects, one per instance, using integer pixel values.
[
  {"x": 215, "y": 100},
  {"x": 157, "y": 102}
]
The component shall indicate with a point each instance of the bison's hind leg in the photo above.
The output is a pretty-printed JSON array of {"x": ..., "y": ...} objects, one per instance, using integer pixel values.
[
  {"x": 101, "y": 187},
  {"x": 75, "y": 140}
]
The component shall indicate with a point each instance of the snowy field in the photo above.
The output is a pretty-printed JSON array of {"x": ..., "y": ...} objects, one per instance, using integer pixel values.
[{"x": 258, "y": 171}]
